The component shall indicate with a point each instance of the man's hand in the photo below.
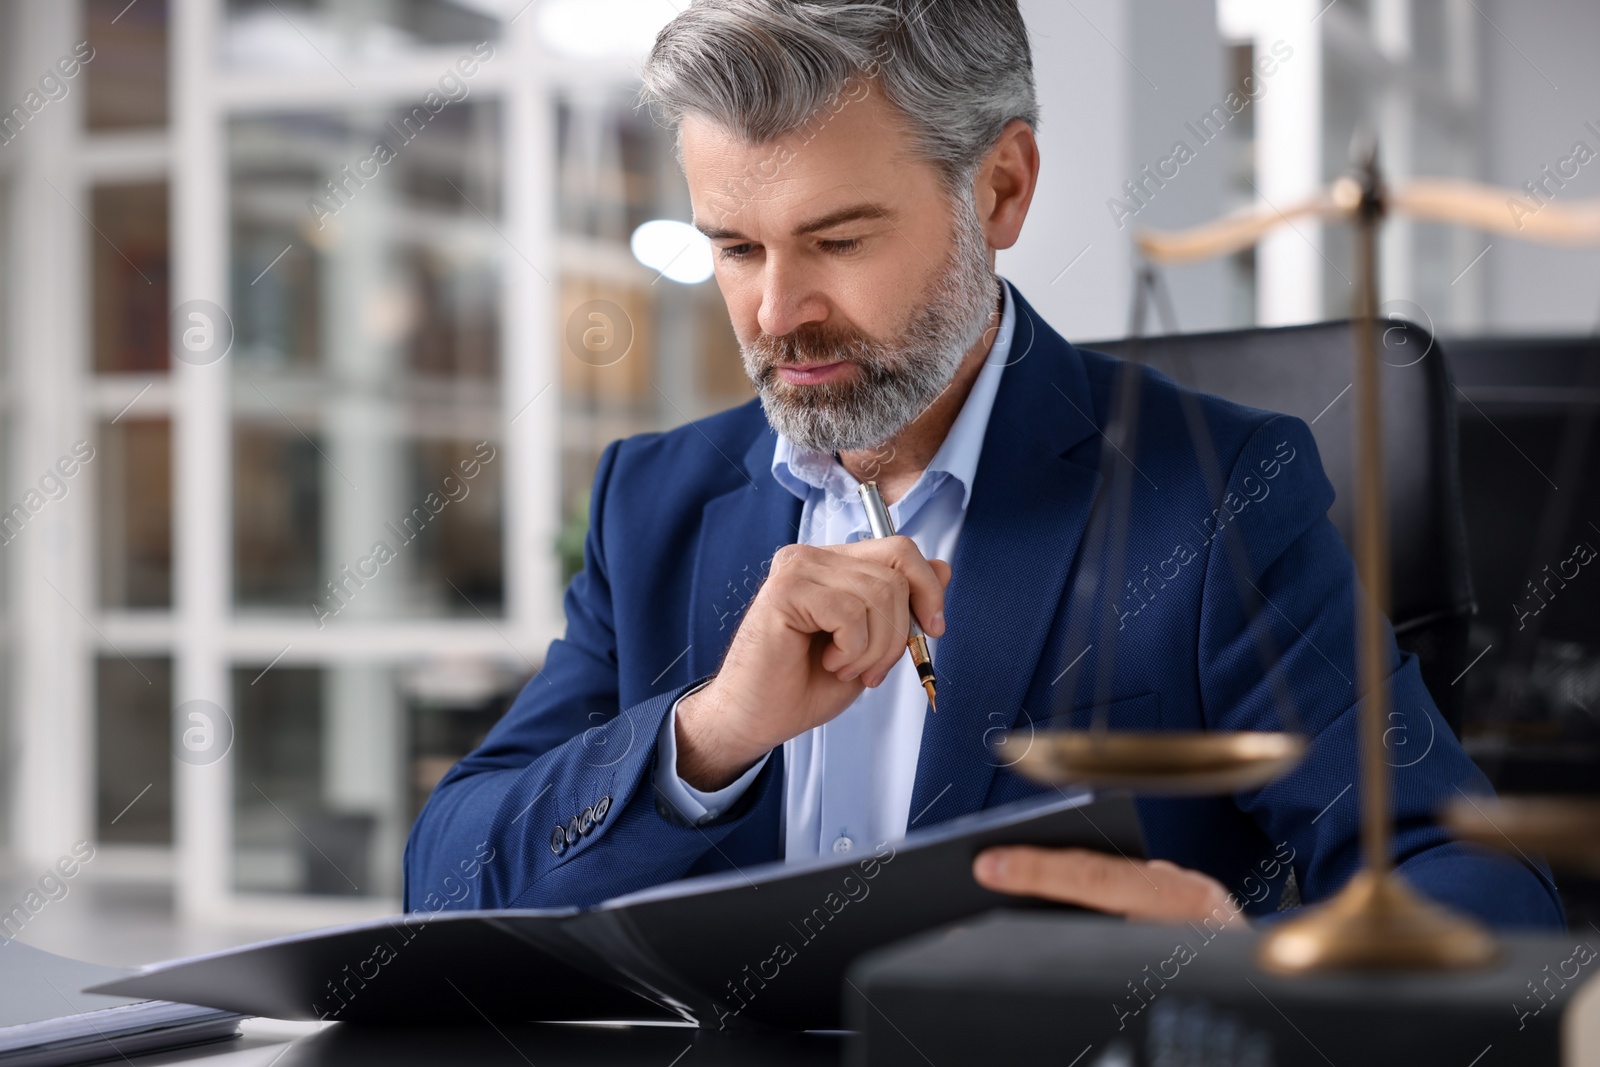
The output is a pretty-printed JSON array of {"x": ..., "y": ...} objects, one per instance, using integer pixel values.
[
  {"x": 827, "y": 623},
  {"x": 1151, "y": 890}
]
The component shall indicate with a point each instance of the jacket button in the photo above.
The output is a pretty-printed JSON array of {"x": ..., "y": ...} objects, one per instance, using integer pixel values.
[
  {"x": 558, "y": 840},
  {"x": 573, "y": 833},
  {"x": 586, "y": 821},
  {"x": 600, "y": 810}
]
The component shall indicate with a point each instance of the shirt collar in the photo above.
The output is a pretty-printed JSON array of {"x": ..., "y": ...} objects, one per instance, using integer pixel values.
[{"x": 801, "y": 470}]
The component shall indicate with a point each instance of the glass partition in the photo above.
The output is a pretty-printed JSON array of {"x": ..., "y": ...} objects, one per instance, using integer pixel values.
[
  {"x": 127, "y": 74},
  {"x": 369, "y": 622},
  {"x": 333, "y": 763},
  {"x": 367, "y": 363},
  {"x": 132, "y": 290},
  {"x": 133, "y": 760},
  {"x": 133, "y": 471}
]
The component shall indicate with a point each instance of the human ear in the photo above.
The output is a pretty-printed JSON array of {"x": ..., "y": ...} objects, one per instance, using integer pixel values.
[{"x": 1006, "y": 182}]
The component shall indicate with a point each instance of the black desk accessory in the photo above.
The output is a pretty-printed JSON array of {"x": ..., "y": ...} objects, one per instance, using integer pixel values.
[{"x": 1033, "y": 988}]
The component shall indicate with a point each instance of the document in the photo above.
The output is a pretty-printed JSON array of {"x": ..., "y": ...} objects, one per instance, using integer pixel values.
[
  {"x": 763, "y": 946},
  {"x": 47, "y": 1020}
]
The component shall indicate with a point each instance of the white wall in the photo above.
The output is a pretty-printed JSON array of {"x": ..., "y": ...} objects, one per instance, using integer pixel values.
[
  {"x": 1180, "y": 76},
  {"x": 1083, "y": 139},
  {"x": 1119, "y": 83},
  {"x": 1541, "y": 84}
]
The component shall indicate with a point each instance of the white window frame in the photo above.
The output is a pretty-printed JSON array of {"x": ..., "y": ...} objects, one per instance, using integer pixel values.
[{"x": 55, "y": 645}]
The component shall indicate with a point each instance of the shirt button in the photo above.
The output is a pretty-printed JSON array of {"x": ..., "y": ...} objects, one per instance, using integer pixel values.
[{"x": 842, "y": 844}]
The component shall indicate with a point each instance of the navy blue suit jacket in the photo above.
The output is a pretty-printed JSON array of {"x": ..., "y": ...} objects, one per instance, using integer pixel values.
[{"x": 684, "y": 524}]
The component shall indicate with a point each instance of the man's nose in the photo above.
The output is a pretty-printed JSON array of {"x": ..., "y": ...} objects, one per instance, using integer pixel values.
[{"x": 789, "y": 299}]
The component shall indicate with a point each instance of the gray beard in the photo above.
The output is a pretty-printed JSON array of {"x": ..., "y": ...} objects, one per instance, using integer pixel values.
[{"x": 896, "y": 380}]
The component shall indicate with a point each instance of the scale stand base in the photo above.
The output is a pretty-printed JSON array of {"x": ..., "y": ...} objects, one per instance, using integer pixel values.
[{"x": 1376, "y": 923}]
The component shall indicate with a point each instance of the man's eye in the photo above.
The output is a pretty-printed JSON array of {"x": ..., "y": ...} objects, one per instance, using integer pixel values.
[
  {"x": 843, "y": 247},
  {"x": 735, "y": 251}
]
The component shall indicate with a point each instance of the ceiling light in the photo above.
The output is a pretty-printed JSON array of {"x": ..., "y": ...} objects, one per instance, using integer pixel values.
[{"x": 675, "y": 249}]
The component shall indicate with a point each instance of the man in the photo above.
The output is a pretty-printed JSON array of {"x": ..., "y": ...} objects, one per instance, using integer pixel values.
[{"x": 733, "y": 687}]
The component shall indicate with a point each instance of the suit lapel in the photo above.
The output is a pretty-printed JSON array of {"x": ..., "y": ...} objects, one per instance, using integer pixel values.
[
  {"x": 1024, "y": 522},
  {"x": 739, "y": 532}
]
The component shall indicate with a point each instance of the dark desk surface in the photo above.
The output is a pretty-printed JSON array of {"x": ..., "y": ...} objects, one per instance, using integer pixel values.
[{"x": 506, "y": 1045}]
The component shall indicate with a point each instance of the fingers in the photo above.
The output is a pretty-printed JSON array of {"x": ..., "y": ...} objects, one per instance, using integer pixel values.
[
  {"x": 880, "y": 597},
  {"x": 863, "y": 607},
  {"x": 888, "y": 616},
  {"x": 1152, "y": 890},
  {"x": 927, "y": 581},
  {"x": 862, "y": 595}
]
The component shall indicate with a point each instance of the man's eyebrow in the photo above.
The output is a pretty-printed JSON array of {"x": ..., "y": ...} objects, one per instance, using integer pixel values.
[
  {"x": 853, "y": 213},
  {"x": 718, "y": 233}
]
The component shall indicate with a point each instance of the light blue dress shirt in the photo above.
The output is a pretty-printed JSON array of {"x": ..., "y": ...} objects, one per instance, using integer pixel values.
[{"x": 848, "y": 782}]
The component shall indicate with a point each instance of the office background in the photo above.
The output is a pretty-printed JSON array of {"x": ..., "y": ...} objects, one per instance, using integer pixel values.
[{"x": 401, "y": 350}]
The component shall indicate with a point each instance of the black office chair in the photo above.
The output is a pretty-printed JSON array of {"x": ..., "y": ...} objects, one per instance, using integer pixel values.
[{"x": 1306, "y": 371}]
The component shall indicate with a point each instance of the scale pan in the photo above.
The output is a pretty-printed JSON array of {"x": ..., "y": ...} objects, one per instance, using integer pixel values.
[
  {"x": 1563, "y": 830},
  {"x": 1176, "y": 763}
]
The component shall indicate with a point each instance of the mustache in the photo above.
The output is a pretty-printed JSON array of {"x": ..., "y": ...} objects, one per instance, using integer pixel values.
[{"x": 813, "y": 343}]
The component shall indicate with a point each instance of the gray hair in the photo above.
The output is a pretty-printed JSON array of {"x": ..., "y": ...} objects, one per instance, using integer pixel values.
[{"x": 959, "y": 70}]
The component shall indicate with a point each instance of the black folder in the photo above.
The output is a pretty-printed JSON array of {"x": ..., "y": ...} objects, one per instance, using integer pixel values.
[{"x": 762, "y": 946}]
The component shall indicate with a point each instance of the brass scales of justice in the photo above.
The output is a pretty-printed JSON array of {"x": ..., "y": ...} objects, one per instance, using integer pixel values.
[{"x": 1377, "y": 922}]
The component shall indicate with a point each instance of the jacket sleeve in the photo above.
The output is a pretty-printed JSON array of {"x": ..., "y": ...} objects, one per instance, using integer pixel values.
[
  {"x": 557, "y": 807},
  {"x": 1304, "y": 583}
]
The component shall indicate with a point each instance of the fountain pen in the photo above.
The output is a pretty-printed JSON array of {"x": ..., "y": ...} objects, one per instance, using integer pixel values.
[{"x": 916, "y": 643}]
